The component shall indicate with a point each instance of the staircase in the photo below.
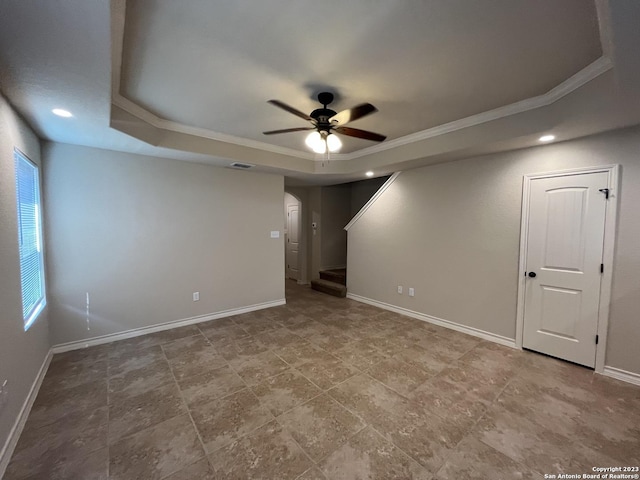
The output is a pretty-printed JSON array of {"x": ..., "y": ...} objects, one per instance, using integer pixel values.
[{"x": 332, "y": 282}]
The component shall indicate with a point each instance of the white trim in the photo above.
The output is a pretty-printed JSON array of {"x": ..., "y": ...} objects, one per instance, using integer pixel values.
[
  {"x": 573, "y": 171},
  {"x": 118, "y": 14},
  {"x": 16, "y": 431},
  {"x": 584, "y": 76},
  {"x": 136, "y": 332},
  {"x": 18, "y": 426},
  {"x": 619, "y": 374},
  {"x": 118, "y": 11},
  {"x": 590, "y": 72},
  {"x": 476, "y": 332},
  {"x": 603, "y": 11},
  {"x": 607, "y": 254},
  {"x": 524, "y": 233},
  {"x": 594, "y": 70},
  {"x": 608, "y": 258},
  {"x": 372, "y": 200},
  {"x": 137, "y": 111}
]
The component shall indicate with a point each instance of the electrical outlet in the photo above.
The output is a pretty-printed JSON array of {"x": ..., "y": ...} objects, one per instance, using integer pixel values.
[
  {"x": 196, "y": 296},
  {"x": 412, "y": 292},
  {"x": 400, "y": 289}
]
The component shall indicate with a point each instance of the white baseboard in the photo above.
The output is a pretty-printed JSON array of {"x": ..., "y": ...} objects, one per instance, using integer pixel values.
[
  {"x": 476, "y": 332},
  {"x": 16, "y": 431},
  {"x": 18, "y": 426},
  {"x": 136, "y": 332},
  {"x": 623, "y": 375}
]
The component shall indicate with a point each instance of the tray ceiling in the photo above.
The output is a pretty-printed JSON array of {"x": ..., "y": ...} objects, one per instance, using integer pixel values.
[
  {"x": 213, "y": 65},
  {"x": 190, "y": 80}
]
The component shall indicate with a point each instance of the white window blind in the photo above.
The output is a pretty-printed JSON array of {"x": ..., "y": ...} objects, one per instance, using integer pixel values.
[{"x": 29, "y": 238}]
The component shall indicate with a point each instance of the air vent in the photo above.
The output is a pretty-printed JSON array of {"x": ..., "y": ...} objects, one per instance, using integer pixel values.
[{"x": 241, "y": 166}]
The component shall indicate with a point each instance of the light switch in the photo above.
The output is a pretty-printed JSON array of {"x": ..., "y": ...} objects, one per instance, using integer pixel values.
[{"x": 275, "y": 234}]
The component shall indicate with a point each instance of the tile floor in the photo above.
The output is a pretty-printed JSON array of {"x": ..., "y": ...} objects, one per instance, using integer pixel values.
[{"x": 322, "y": 388}]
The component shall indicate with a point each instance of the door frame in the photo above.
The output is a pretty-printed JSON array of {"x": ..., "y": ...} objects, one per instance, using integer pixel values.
[
  {"x": 303, "y": 269},
  {"x": 611, "y": 211},
  {"x": 288, "y": 240}
]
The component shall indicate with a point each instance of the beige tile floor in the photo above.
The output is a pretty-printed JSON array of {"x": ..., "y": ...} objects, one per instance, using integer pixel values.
[{"x": 322, "y": 388}]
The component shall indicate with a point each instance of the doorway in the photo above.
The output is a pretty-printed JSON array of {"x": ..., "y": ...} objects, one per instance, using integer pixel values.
[
  {"x": 292, "y": 209},
  {"x": 566, "y": 259}
]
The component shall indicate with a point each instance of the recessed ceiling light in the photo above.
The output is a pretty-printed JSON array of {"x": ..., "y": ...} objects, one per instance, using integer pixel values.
[
  {"x": 547, "y": 138},
  {"x": 369, "y": 173},
  {"x": 62, "y": 113}
]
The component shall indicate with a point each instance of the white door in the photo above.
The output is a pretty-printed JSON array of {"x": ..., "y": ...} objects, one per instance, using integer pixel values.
[
  {"x": 293, "y": 233},
  {"x": 563, "y": 265}
]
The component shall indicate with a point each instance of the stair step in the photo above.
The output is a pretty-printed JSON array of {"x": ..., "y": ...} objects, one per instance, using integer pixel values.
[
  {"x": 337, "y": 276},
  {"x": 329, "y": 287}
]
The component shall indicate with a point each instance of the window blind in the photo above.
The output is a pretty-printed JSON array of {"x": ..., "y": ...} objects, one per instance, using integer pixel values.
[{"x": 29, "y": 238}]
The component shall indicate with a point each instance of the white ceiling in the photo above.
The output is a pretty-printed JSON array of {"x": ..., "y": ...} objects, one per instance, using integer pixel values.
[
  {"x": 190, "y": 80},
  {"x": 214, "y": 65}
]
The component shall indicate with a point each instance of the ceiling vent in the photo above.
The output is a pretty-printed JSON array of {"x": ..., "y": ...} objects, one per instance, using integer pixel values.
[{"x": 241, "y": 166}]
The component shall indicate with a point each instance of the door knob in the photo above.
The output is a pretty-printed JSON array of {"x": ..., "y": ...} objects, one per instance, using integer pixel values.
[{"x": 532, "y": 274}]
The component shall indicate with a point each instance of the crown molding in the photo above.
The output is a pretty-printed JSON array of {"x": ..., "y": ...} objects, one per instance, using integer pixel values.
[
  {"x": 603, "y": 11},
  {"x": 595, "y": 69},
  {"x": 161, "y": 123},
  {"x": 590, "y": 72}
]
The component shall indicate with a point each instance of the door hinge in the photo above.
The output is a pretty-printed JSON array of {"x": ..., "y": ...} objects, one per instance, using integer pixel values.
[
  {"x": 606, "y": 192},
  {"x": 597, "y": 338},
  {"x": 602, "y": 268}
]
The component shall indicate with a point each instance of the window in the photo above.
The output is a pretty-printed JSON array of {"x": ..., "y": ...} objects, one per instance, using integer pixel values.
[{"x": 29, "y": 238}]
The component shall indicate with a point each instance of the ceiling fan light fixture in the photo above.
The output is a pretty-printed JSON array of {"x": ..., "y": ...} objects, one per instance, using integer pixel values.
[
  {"x": 315, "y": 142},
  {"x": 333, "y": 143},
  {"x": 325, "y": 121}
]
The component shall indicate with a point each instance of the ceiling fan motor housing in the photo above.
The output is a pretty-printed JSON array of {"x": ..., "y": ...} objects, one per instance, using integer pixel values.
[
  {"x": 322, "y": 116},
  {"x": 327, "y": 121}
]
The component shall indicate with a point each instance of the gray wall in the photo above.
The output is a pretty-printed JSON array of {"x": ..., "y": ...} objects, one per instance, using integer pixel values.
[
  {"x": 335, "y": 213},
  {"x": 362, "y": 191},
  {"x": 21, "y": 353},
  {"x": 452, "y": 232},
  {"x": 140, "y": 234},
  {"x": 331, "y": 208}
]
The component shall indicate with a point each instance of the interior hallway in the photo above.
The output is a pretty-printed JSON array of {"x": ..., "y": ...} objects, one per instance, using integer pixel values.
[{"x": 320, "y": 388}]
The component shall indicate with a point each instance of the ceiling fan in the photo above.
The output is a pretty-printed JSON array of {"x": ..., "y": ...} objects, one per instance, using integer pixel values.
[{"x": 327, "y": 122}]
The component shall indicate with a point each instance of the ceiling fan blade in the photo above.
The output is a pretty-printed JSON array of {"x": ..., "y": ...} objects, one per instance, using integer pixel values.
[
  {"x": 289, "y": 109},
  {"x": 351, "y": 114},
  {"x": 356, "y": 132},
  {"x": 287, "y": 130}
]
